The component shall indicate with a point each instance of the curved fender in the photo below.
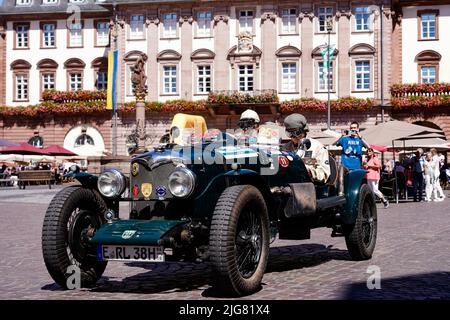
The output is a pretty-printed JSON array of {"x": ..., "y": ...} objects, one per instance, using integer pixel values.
[
  {"x": 232, "y": 173},
  {"x": 352, "y": 184},
  {"x": 86, "y": 179}
]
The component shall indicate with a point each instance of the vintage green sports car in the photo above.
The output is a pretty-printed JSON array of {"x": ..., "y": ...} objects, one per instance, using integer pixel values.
[{"x": 215, "y": 200}]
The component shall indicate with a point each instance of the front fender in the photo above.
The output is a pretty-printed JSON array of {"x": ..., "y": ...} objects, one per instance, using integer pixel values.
[
  {"x": 352, "y": 184},
  {"x": 87, "y": 180}
]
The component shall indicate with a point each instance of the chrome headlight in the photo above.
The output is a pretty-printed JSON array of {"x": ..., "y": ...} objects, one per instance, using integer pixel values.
[
  {"x": 182, "y": 182},
  {"x": 111, "y": 183}
]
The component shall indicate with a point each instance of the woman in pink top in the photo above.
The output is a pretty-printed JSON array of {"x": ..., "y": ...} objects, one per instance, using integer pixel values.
[{"x": 373, "y": 176}]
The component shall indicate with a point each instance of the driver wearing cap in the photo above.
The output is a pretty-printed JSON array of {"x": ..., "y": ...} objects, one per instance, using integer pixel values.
[{"x": 313, "y": 153}]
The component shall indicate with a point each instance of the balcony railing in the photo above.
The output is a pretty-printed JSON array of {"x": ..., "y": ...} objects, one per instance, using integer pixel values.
[
  {"x": 73, "y": 96},
  {"x": 417, "y": 89},
  {"x": 420, "y": 96},
  {"x": 243, "y": 97}
]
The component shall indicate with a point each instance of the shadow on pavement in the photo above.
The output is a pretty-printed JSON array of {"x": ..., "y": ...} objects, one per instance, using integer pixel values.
[
  {"x": 172, "y": 277},
  {"x": 434, "y": 285}
]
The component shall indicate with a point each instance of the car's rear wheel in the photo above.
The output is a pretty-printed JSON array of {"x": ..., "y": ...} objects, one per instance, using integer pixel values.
[
  {"x": 72, "y": 218},
  {"x": 239, "y": 240},
  {"x": 361, "y": 237}
]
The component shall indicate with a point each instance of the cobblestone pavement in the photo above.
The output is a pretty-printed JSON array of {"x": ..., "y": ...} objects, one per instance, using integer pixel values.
[{"x": 412, "y": 253}]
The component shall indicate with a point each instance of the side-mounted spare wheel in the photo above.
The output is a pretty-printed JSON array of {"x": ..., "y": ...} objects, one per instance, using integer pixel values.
[
  {"x": 239, "y": 240},
  {"x": 72, "y": 218},
  {"x": 362, "y": 235}
]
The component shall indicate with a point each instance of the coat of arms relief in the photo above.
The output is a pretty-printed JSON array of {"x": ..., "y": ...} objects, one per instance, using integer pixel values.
[{"x": 245, "y": 42}]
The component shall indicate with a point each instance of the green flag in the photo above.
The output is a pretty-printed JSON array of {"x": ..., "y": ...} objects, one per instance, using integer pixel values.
[{"x": 326, "y": 52}]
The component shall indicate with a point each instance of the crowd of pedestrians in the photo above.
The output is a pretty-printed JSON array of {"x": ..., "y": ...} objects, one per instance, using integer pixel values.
[
  {"x": 423, "y": 171},
  {"x": 9, "y": 174}
]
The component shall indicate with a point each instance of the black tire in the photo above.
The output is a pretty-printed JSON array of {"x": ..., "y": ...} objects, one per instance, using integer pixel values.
[
  {"x": 230, "y": 238},
  {"x": 361, "y": 237},
  {"x": 74, "y": 214}
]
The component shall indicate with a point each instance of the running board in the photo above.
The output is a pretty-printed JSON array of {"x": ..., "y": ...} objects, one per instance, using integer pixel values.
[{"x": 326, "y": 203}]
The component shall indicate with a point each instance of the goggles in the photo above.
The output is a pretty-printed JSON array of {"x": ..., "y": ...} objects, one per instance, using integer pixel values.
[
  {"x": 246, "y": 123},
  {"x": 294, "y": 133}
]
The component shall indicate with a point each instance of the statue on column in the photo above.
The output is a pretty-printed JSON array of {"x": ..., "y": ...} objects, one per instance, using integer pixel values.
[{"x": 139, "y": 79}]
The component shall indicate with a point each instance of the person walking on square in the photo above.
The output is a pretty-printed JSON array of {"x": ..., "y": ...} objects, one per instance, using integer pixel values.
[
  {"x": 417, "y": 163},
  {"x": 437, "y": 168},
  {"x": 373, "y": 166},
  {"x": 430, "y": 178}
]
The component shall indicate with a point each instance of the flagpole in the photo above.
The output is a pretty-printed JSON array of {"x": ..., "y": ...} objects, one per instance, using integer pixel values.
[
  {"x": 114, "y": 127},
  {"x": 329, "y": 28}
]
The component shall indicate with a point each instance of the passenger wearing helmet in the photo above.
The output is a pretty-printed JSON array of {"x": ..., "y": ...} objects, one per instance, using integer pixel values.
[
  {"x": 312, "y": 152},
  {"x": 248, "y": 127}
]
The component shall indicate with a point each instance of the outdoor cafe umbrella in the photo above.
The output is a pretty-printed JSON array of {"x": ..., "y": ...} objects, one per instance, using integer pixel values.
[
  {"x": 424, "y": 143},
  {"x": 23, "y": 148},
  {"x": 56, "y": 150},
  {"x": 7, "y": 143},
  {"x": 25, "y": 158},
  {"x": 384, "y": 133}
]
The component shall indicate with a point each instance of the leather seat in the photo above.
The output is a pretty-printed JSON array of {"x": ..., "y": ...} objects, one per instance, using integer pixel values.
[{"x": 333, "y": 178}]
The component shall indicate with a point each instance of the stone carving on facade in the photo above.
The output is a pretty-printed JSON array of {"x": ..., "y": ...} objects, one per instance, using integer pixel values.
[
  {"x": 375, "y": 12},
  {"x": 2, "y": 31},
  {"x": 152, "y": 20},
  {"x": 268, "y": 16},
  {"x": 114, "y": 26},
  {"x": 397, "y": 17},
  {"x": 389, "y": 13},
  {"x": 139, "y": 79},
  {"x": 120, "y": 22},
  {"x": 306, "y": 14},
  {"x": 245, "y": 42},
  {"x": 251, "y": 57},
  {"x": 186, "y": 18},
  {"x": 344, "y": 13},
  {"x": 218, "y": 18}
]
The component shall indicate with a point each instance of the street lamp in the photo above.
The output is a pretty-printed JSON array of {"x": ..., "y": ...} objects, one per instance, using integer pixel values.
[{"x": 329, "y": 26}]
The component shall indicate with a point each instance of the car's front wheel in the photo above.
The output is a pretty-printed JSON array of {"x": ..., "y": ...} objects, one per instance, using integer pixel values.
[
  {"x": 239, "y": 240},
  {"x": 72, "y": 218}
]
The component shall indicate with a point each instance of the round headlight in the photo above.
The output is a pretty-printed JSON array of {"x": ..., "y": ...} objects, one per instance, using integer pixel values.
[
  {"x": 182, "y": 182},
  {"x": 111, "y": 183}
]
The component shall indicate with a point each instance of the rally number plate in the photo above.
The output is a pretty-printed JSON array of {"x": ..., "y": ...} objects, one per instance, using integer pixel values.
[{"x": 131, "y": 253}]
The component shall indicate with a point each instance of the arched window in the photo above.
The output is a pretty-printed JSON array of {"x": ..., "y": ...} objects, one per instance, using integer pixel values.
[
  {"x": 21, "y": 75},
  {"x": 84, "y": 140},
  {"x": 47, "y": 70},
  {"x": 75, "y": 70},
  {"x": 362, "y": 57},
  {"x": 169, "y": 69},
  {"x": 245, "y": 59},
  {"x": 100, "y": 66},
  {"x": 203, "y": 64},
  {"x": 288, "y": 66},
  {"x": 36, "y": 141},
  {"x": 428, "y": 66},
  {"x": 321, "y": 70}
]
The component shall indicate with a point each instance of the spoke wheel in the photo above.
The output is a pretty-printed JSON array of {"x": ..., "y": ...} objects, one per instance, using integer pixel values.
[
  {"x": 239, "y": 241},
  {"x": 81, "y": 227},
  {"x": 248, "y": 242},
  {"x": 362, "y": 235},
  {"x": 72, "y": 218}
]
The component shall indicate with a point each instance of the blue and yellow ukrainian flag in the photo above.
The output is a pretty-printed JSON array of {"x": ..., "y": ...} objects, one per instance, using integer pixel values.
[{"x": 112, "y": 78}]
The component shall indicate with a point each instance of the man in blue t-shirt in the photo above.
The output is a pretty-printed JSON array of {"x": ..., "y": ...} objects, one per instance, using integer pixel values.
[{"x": 352, "y": 145}]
